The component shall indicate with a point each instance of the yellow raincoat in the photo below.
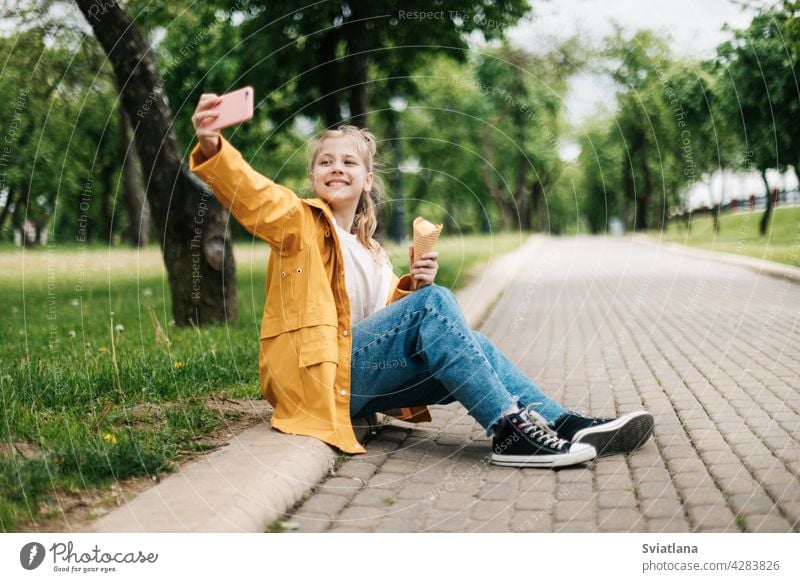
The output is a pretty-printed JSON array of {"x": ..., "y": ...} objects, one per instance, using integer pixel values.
[{"x": 306, "y": 340}]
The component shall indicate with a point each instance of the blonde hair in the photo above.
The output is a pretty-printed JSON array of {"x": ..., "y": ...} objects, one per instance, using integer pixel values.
[{"x": 365, "y": 221}]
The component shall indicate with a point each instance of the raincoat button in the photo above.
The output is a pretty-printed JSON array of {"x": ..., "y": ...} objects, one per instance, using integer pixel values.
[
  {"x": 299, "y": 270},
  {"x": 345, "y": 333},
  {"x": 343, "y": 392},
  {"x": 283, "y": 273},
  {"x": 327, "y": 232}
]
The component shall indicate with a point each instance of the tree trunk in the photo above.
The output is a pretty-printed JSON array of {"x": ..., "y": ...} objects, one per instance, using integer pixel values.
[
  {"x": 6, "y": 212},
  {"x": 488, "y": 182},
  {"x": 189, "y": 221},
  {"x": 764, "y": 226},
  {"x": 357, "y": 47},
  {"x": 106, "y": 202},
  {"x": 629, "y": 177},
  {"x": 644, "y": 199},
  {"x": 138, "y": 231},
  {"x": 329, "y": 79},
  {"x": 537, "y": 199},
  {"x": 398, "y": 227}
]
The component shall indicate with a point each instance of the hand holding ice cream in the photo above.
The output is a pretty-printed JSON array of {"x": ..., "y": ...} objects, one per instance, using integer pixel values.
[{"x": 421, "y": 255}]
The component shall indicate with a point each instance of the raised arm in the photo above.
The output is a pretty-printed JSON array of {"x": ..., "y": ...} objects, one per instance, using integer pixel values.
[{"x": 266, "y": 209}]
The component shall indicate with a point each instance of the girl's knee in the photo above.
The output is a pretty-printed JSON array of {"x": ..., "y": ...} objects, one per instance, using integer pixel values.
[
  {"x": 480, "y": 338},
  {"x": 438, "y": 293}
]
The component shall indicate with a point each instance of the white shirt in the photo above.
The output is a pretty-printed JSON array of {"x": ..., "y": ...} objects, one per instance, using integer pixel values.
[{"x": 367, "y": 282}]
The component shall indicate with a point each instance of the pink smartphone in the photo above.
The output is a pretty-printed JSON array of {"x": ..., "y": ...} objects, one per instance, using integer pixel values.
[{"x": 235, "y": 107}]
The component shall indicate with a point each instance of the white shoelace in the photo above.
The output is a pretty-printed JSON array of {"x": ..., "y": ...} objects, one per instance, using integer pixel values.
[{"x": 539, "y": 430}]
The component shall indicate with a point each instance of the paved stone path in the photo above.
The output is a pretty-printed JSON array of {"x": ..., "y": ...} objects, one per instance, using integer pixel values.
[{"x": 609, "y": 326}]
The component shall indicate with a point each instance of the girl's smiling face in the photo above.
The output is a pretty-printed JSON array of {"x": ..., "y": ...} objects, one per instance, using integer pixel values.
[{"x": 340, "y": 175}]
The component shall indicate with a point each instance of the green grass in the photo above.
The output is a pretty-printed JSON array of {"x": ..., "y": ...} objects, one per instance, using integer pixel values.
[
  {"x": 85, "y": 404},
  {"x": 739, "y": 234},
  {"x": 459, "y": 255}
]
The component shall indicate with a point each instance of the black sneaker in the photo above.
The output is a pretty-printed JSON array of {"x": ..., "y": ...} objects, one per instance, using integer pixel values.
[
  {"x": 523, "y": 439},
  {"x": 608, "y": 436}
]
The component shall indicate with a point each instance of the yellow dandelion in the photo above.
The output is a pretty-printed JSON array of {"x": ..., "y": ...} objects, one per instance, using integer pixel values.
[
  {"x": 178, "y": 364},
  {"x": 110, "y": 438}
]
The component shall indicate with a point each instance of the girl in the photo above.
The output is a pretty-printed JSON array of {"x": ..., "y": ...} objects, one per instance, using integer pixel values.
[{"x": 343, "y": 337}]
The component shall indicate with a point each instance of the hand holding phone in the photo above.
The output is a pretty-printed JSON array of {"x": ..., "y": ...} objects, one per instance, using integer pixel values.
[
  {"x": 232, "y": 109},
  {"x": 216, "y": 112}
]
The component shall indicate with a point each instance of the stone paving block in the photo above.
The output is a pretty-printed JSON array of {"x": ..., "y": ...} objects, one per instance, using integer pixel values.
[
  {"x": 755, "y": 503},
  {"x": 708, "y": 516},
  {"x": 612, "y": 465},
  {"x": 769, "y": 523},
  {"x": 616, "y": 498},
  {"x": 620, "y": 520},
  {"x": 488, "y": 510},
  {"x": 783, "y": 490},
  {"x": 419, "y": 491},
  {"x": 309, "y": 522},
  {"x": 454, "y": 501},
  {"x": 579, "y": 474},
  {"x": 372, "y": 497},
  {"x": 655, "y": 489},
  {"x": 432, "y": 476},
  {"x": 340, "y": 486},
  {"x": 663, "y": 507},
  {"x": 574, "y": 527},
  {"x": 564, "y": 511},
  {"x": 691, "y": 480},
  {"x": 533, "y": 500},
  {"x": 411, "y": 509},
  {"x": 495, "y": 474},
  {"x": 398, "y": 526},
  {"x": 498, "y": 491},
  {"x": 403, "y": 467},
  {"x": 388, "y": 481},
  {"x": 356, "y": 470},
  {"x": 497, "y": 525},
  {"x": 619, "y": 481},
  {"x": 360, "y": 517},
  {"x": 677, "y": 524},
  {"x": 653, "y": 475},
  {"x": 543, "y": 481},
  {"x": 702, "y": 496},
  {"x": 687, "y": 465},
  {"x": 447, "y": 521},
  {"x": 579, "y": 491},
  {"x": 325, "y": 504},
  {"x": 740, "y": 483},
  {"x": 531, "y": 522}
]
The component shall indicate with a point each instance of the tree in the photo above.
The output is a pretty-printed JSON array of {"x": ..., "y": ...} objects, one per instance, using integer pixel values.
[
  {"x": 330, "y": 51},
  {"x": 190, "y": 223},
  {"x": 706, "y": 143},
  {"x": 646, "y": 125},
  {"x": 600, "y": 179},
  {"x": 760, "y": 68}
]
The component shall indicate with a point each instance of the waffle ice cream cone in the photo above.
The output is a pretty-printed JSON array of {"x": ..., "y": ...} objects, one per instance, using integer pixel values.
[{"x": 425, "y": 236}]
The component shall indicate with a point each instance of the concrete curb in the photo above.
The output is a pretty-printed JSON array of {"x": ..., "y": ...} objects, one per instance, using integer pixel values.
[
  {"x": 761, "y": 267},
  {"x": 262, "y": 473},
  {"x": 240, "y": 488}
]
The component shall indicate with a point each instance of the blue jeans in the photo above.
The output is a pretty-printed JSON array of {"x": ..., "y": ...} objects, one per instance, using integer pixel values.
[{"x": 420, "y": 350}]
